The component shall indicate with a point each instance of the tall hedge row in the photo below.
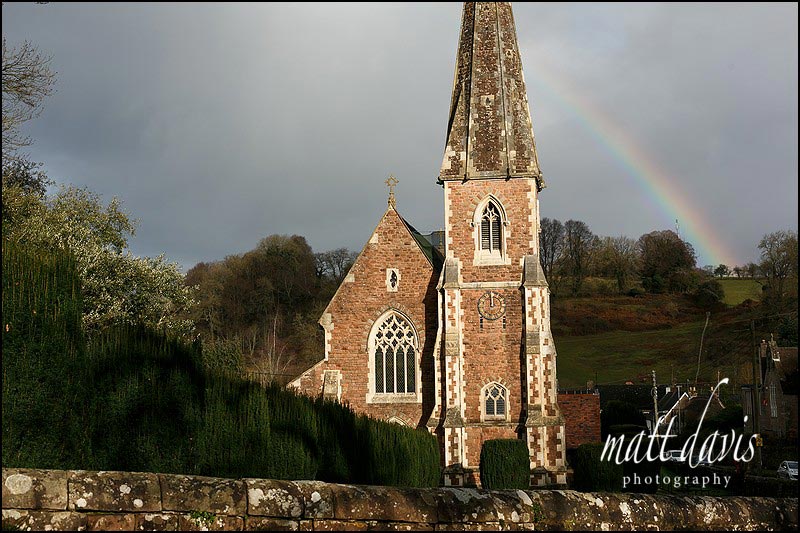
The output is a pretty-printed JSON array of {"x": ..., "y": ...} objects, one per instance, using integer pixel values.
[
  {"x": 133, "y": 399},
  {"x": 591, "y": 474},
  {"x": 505, "y": 464},
  {"x": 42, "y": 349}
]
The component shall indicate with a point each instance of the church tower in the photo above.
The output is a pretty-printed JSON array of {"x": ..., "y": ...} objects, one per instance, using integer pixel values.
[{"x": 496, "y": 364}]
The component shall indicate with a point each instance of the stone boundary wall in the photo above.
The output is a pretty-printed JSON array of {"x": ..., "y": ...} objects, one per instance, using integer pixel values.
[{"x": 83, "y": 500}]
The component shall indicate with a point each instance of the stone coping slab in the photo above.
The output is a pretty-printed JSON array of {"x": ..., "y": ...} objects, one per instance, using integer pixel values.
[{"x": 89, "y": 500}]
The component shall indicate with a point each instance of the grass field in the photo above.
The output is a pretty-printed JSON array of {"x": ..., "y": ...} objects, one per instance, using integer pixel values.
[
  {"x": 629, "y": 337},
  {"x": 739, "y": 290},
  {"x": 618, "y": 356}
]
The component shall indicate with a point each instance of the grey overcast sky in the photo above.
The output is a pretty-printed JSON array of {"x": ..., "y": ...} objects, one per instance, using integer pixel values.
[{"x": 220, "y": 124}]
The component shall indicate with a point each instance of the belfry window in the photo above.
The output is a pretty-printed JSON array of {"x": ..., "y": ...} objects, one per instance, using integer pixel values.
[
  {"x": 395, "y": 356},
  {"x": 491, "y": 228},
  {"x": 495, "y": 401}
]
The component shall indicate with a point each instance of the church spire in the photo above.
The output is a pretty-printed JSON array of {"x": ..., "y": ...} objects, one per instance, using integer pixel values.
[{"x": 489, "y": 133}]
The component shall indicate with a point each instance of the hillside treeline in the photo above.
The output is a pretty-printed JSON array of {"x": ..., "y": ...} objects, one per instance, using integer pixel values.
[
  {"x": 259, "y": 310},
  {"x": 657, "y": 262}
]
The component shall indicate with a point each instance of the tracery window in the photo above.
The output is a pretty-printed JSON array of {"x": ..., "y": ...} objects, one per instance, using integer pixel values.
[
  {"x": 495, "y": 401},
  {"x": 395, "y": 356},
  {"x": 491, "y": 228}
]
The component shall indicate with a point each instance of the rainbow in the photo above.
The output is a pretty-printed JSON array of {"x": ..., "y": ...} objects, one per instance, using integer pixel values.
[{"x": 659, "y": 190}]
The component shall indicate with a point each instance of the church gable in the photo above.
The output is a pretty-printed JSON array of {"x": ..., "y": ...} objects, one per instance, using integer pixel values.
[
  {"x": 392, "y": 261},
  {"x": 380, "y": 327}
]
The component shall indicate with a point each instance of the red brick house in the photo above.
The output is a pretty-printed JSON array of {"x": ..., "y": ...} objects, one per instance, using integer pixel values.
[{"x": 459, "y": 343}]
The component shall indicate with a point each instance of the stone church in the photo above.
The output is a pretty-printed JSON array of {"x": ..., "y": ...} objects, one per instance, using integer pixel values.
[{"x": 452, "y": 332}]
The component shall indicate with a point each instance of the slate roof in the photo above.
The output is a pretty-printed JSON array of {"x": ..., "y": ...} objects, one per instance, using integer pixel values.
[
  {"x": 428, "y": 248},
  {"x": 666, "y": 402}
]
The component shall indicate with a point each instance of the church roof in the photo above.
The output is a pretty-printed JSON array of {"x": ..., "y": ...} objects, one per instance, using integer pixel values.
[
  {"x": 431, "y": 252},
  {"x": 489, "y": 132}
]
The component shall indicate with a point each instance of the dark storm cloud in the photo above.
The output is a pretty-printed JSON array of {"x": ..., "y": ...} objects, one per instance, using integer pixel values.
[{"x": 220, "y": 124}]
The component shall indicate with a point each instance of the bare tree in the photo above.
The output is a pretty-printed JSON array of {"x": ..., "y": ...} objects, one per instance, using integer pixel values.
[
  {"x": 334, "y": 264},
  {"x": 579, "y": 244},
  {"x": 27, "y": 80},
  {"x": 273, "y": 360},
  {"x": 778, "y": 259},
  {"x": 551, "y": 245}
]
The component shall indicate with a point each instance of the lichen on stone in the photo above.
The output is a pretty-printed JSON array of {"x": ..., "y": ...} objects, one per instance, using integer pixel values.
[{"x": 19, "y": 483}]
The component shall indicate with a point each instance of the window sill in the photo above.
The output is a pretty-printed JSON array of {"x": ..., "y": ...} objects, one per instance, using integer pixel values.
[
  {"x": 410, "y": 397},
  {"x": 483, "y": 258},
  {"x": 488, "y": 422}
]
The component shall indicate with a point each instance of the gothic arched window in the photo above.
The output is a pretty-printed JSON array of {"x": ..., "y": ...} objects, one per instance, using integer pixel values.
[
  {"x": 495, "y": 398},
  {"x": 491, "y": 228},
  {"x": 395, "y": 356}
]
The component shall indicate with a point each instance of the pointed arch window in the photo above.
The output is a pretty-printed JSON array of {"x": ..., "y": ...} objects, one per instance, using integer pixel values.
[
  {"x": 395, "y": 356},
  {"x": 495, "y": 402},
  {"x": 491, "y": 228}
]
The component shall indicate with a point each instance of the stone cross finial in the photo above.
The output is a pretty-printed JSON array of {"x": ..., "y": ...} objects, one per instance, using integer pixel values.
[{"x": 391, "y": 182}]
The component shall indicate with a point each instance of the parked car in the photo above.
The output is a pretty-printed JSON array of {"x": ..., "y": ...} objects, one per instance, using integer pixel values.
[
  {"x": 702, "y": 461},
  {"x": 788, "y": 470},
  {"x": 675, "y": 456}
]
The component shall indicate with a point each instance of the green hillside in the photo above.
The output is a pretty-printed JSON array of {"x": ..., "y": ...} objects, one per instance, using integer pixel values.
[
  {"x": 614, "y": 339},
  {"x": 738, "y": 290},
  {"x": 619, "y": 356}
]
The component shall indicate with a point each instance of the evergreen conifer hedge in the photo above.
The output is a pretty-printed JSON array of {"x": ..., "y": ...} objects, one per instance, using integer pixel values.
[
  {"x": 505, "y": 464},
  {"x": 591, "y": 474},
  {"x": 136, "y": 400}
]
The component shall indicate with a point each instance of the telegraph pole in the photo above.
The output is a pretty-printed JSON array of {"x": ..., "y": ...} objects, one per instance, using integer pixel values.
[
  {"x": 756, "y": 391},
  {"x": 655, "y": 404}
]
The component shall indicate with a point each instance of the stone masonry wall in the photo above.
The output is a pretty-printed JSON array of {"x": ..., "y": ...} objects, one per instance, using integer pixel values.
[{"x": 82, "y": 500}]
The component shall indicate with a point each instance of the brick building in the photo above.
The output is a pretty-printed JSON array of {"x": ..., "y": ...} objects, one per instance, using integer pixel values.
[
  {"x": 776, "y": 401},
  {"x": 459, "y": 341},
  {"x": 581, "y": 413}
]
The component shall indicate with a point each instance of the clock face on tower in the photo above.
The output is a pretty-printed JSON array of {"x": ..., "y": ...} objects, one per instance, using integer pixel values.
[{"x": 491, "y": 305}]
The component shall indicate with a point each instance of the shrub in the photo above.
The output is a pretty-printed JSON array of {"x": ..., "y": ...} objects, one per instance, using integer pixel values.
[
  {"x": 591, "y": 474},
  {"x": 593, "y": 324},
  {"x": 505, "y": 464},
  {"x": 709, "y": 294},
  {"x": 672, "y": 310},
  {"x": 787, "y": 331},
  {"x": 683, "y": 281},
  {"x": 654, "y": 284}
]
